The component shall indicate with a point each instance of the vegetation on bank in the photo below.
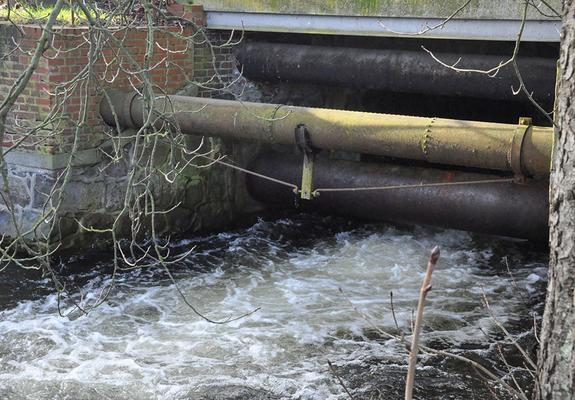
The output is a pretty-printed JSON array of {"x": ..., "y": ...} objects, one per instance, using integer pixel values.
[{"x": 28, "y": 14}]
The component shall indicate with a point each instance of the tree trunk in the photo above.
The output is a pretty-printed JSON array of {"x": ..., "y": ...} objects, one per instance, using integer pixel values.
[{"x": 557, "y": 353}]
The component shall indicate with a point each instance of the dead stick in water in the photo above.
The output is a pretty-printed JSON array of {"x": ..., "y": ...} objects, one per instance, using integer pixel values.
[{"x": 425, "y": 288}]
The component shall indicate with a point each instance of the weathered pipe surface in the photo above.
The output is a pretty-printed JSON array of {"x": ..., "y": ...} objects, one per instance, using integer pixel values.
[
  {"x": 508, "y": 209},
  {"x": 395, "y": 70},
  {"x": 485, "y": 145}
]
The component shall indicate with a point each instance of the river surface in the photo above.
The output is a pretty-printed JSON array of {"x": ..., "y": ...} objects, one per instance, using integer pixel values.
[{"x": 144, "y": 342}]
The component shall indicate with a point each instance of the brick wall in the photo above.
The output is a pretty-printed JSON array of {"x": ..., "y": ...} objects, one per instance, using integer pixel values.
[
  {"x": 173, "y": 67},
  {"x": 214, "y": 62},
  {"x": 207, "y": 197},
  {"x": 32, "y": 104},
  {"x": 214, "y": 65}
]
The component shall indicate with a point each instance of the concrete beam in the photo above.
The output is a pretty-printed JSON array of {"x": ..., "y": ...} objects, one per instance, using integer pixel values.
[
  {"x": 464, "y": 29},
  {"x": 477, "y": 9}
]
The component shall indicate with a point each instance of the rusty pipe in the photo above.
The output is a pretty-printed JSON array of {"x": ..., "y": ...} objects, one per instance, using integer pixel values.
[
  {"x": 507, "y": 209},
  {"x": 523, "y": 149}
]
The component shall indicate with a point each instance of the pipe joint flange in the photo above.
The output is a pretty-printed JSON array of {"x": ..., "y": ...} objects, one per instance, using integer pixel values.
[
  {"x": 515, "y": 153},
  {"x": 427, "y": 138},
  {"x": 127, "y": 109},
  {"x": 116, "y": 109}
]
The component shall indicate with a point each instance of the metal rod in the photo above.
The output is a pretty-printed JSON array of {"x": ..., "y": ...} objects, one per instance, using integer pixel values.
[{"x": 505, "y": 147}]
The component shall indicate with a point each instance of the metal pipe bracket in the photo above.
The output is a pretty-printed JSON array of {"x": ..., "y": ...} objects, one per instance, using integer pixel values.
[{"x": 304, "y": 144}]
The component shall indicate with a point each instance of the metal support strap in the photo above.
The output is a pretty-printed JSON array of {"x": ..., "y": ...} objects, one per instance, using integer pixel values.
[{"x": 303, "y": 142}]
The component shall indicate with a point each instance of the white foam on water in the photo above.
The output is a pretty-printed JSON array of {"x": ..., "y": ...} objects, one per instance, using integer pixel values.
[{"x": 145, "y": 342}]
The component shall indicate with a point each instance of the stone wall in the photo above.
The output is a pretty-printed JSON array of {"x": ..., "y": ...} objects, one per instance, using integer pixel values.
[{"x": 208, "y": 198}]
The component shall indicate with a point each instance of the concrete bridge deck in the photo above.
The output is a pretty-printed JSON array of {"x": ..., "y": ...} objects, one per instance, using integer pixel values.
[{"x": 478, "y": 20}]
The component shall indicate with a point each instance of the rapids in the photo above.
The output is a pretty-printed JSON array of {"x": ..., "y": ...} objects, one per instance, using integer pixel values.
[{"x": 144, "y": 342}]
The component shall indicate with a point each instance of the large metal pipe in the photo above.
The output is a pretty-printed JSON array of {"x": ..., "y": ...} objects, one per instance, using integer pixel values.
[
  {"x": 404, "y": 71},
  {"x": 508, "y": 209},
  {"x": 505, "y": 147}
]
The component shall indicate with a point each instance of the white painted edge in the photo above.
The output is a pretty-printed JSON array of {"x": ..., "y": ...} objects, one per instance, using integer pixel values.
[{"x": 466, "y": 29}]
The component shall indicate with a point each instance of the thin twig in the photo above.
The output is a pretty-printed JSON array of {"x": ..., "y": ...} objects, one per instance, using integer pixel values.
[
  {"x": 425, "y": 288},
  {"x": 334, "y": 372}
]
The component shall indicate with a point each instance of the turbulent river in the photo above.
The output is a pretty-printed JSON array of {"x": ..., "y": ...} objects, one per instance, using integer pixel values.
[{"x": 306, "y": 273}]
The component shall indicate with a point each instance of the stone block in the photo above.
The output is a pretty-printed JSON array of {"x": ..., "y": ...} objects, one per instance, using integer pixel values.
[
  {"x": 7, "y": 223},
  {"x": 118, "y": 169},
  {"x": 179, "y": 220},
  {"x": 84, "y": 196},
  {"x": 97, "y": 220},
  {"x": 115, "y": 194},
  {"x": 33, "y": 225},
  {"x": 193, "y": 197},
  {"x": 41, "y": 186},
  {"x": 18, "y": 191}
]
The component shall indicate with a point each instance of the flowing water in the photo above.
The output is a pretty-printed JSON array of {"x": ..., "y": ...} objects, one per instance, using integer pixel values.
[{"x": 144, "y": 342}]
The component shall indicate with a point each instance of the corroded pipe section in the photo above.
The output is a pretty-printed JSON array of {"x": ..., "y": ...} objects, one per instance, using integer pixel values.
[
  {"x": 507, "y": 209},
  {"x": 505, "y": 147}
]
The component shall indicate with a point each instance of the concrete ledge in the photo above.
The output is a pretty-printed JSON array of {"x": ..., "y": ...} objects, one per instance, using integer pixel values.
[
  {"x": 466, "y": 29},
  {"x": 52, "y": 161}
]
